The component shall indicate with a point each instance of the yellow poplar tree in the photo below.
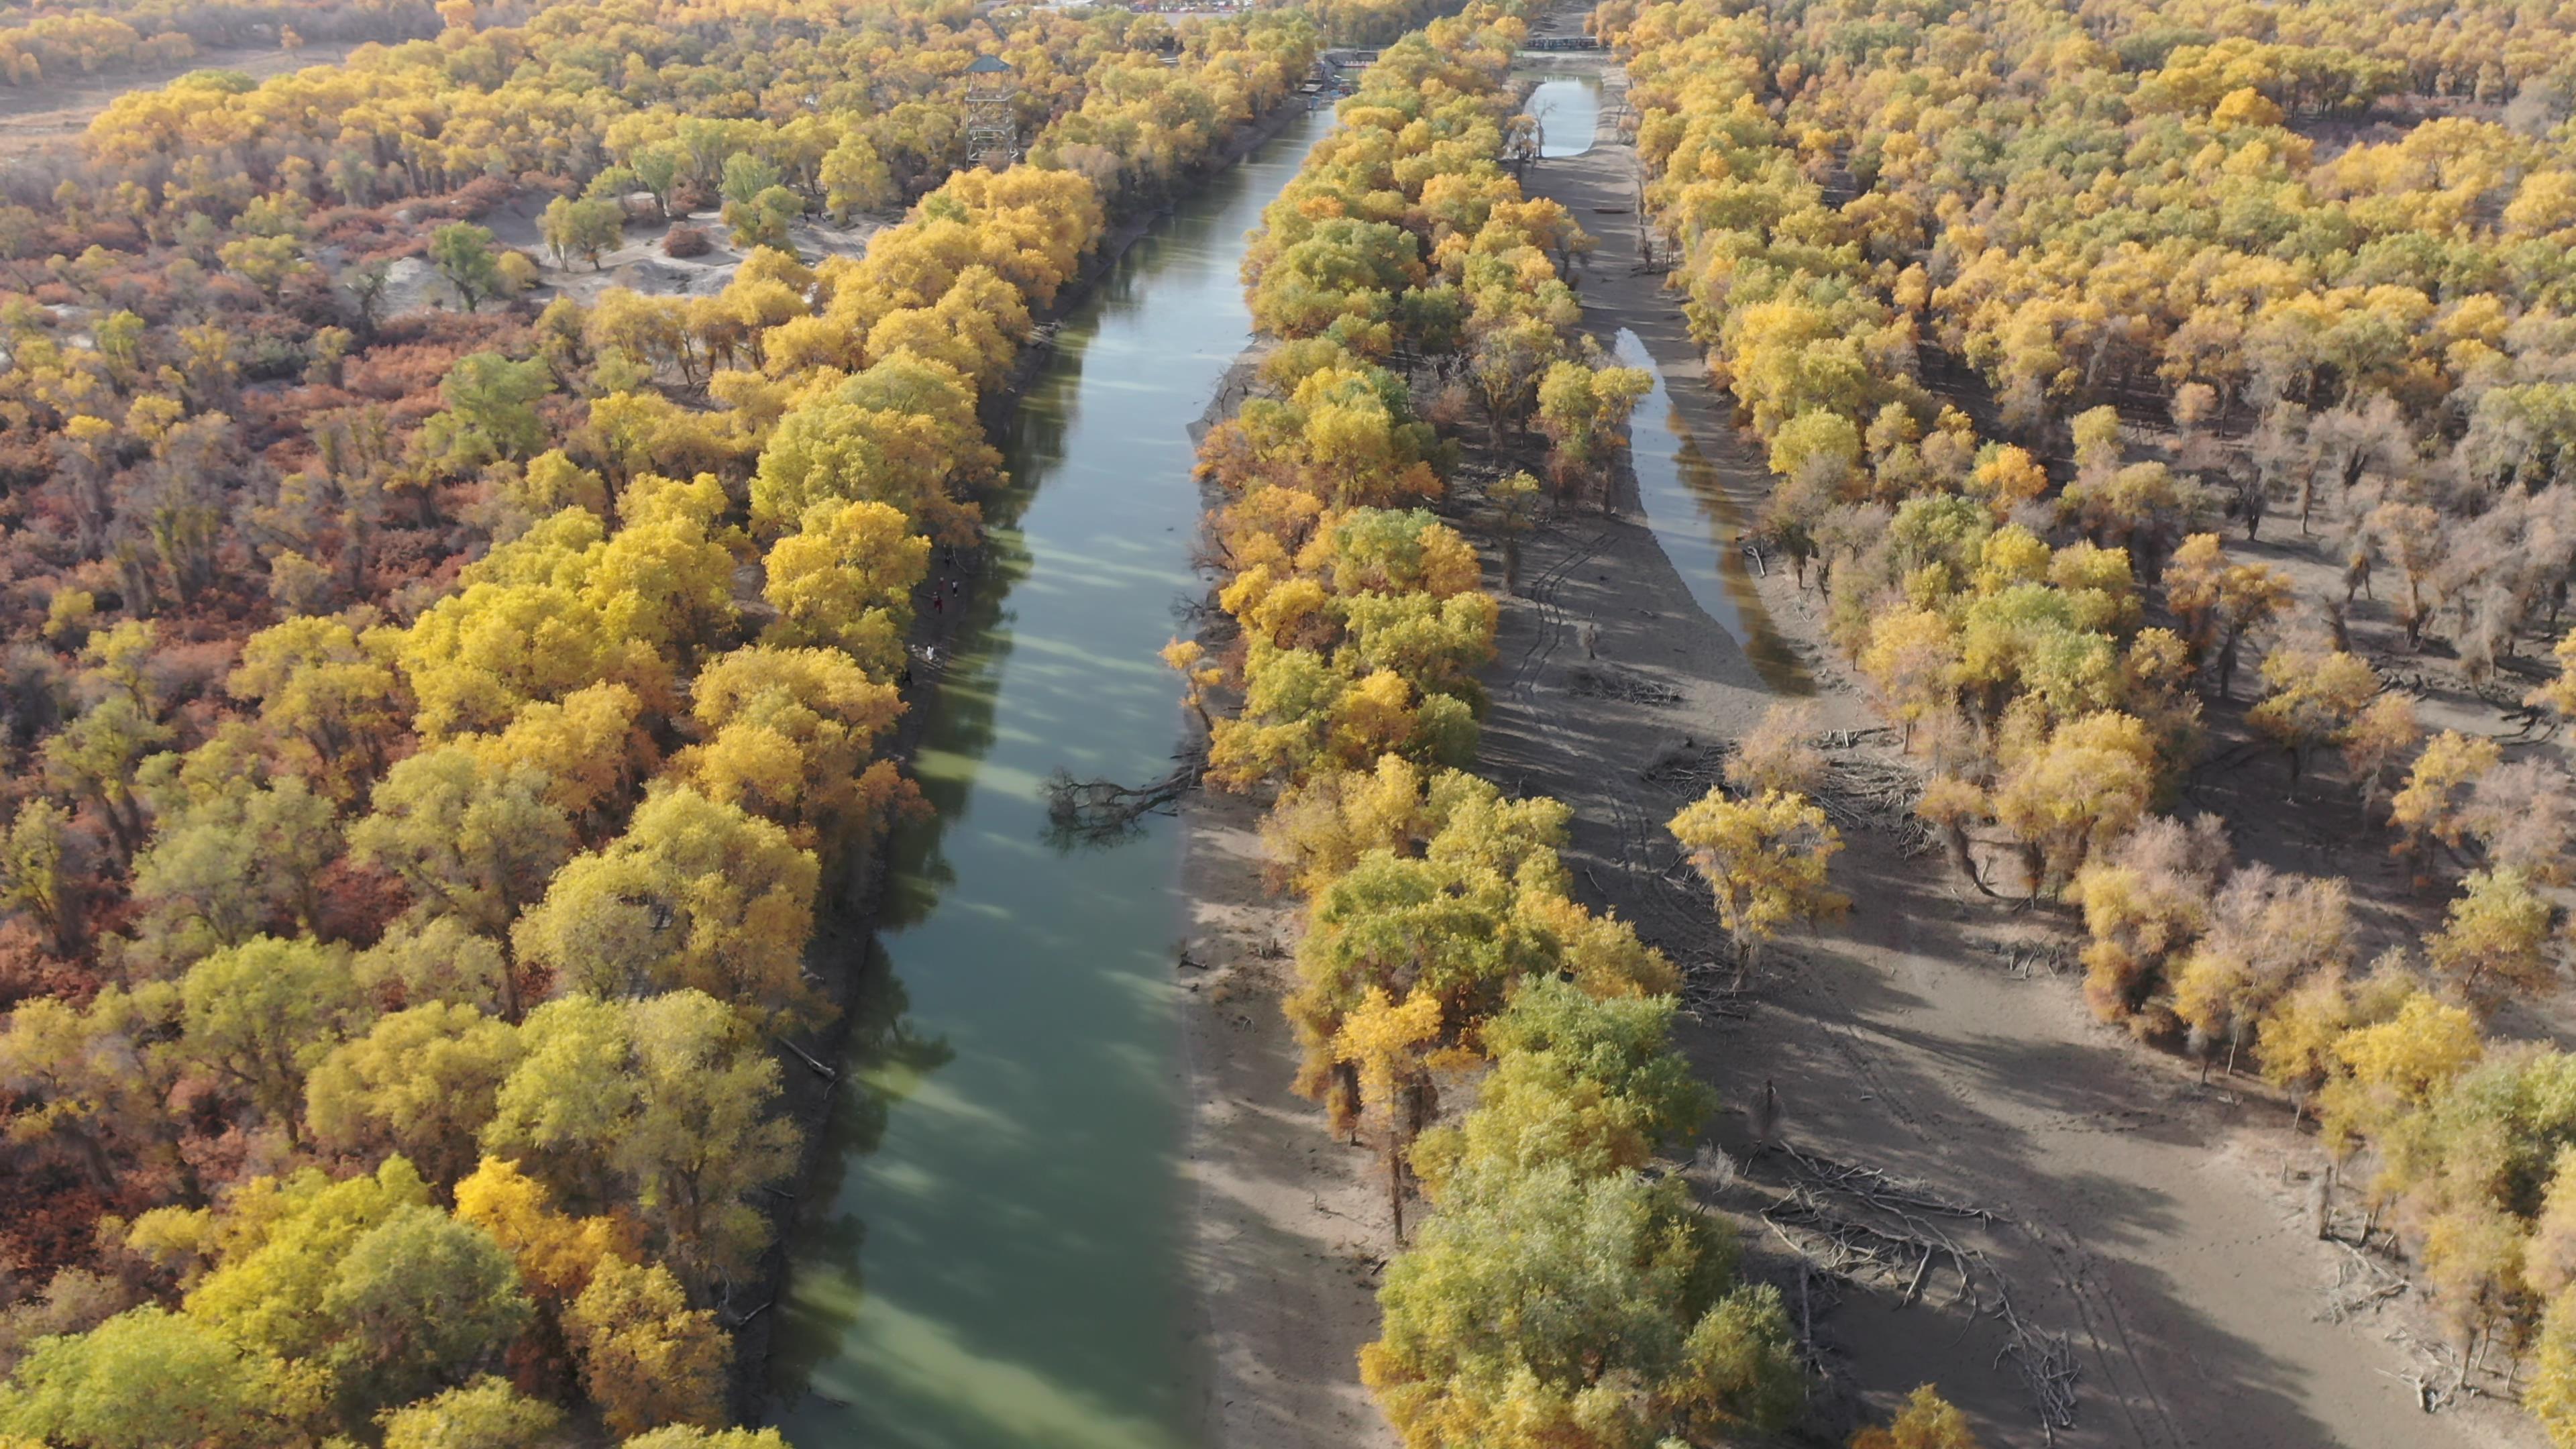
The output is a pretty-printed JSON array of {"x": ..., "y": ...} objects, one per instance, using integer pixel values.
[{"x": 1765, "y": 861}]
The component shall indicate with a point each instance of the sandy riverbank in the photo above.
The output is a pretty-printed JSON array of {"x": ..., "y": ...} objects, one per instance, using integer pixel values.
[
  {"x": 2155, "y": 1228},
  {"x": 1287, "y": 1230}
]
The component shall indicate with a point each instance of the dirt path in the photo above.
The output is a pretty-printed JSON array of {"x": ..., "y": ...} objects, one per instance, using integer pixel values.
[
  {"x": 1288, "y": 1231},
  {"x": 2146, "y": 1232}
]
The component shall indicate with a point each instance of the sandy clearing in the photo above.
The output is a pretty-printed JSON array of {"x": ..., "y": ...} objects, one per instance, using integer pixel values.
[{"x": 637, "y": 263}]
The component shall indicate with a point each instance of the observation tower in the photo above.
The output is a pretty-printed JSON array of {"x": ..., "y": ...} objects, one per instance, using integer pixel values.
[{"x": 992, "y": 130}]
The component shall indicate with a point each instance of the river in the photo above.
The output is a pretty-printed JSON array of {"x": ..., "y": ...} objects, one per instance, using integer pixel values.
[
  {"x": 1700, "y": 527},
  {"x": 999, "y": 1264},
  {"x": 1568, "y": 111}
]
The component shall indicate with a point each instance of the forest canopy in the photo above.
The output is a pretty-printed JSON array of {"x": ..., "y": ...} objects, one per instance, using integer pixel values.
[{"x": 434, "y": 694}]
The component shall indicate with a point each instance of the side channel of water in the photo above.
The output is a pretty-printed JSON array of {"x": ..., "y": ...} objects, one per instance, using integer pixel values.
[
  {"x": 1568, "y": 111},
  {"x": 1700, "y": 528},
  {"x": 996, "y": 1259}
]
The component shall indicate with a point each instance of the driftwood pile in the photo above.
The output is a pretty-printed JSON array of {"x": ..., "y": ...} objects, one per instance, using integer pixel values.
[
  {"x": 1873, "y": 792},
  {"x": 1861, "y": 1224},
  {"x": 1709, "y": 989},
  {"x": 1861, "y": 790},
  {"x": 2027, "y": 959},
  {"x": 1598, "y": 682}
]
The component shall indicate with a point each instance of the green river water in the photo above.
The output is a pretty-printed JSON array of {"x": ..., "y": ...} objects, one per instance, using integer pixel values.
[{"x": 997, "y": 1261}]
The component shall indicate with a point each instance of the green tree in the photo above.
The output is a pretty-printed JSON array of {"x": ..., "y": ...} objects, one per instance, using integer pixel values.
[
  {"x": 485, "y": 1414},
  {"x": 491, "y": 411},
  {"x": 266, "y": 262},
  {"x": 746, "y": 175},
  {"x": 270, "y": 1253},
  {"x": 836, "y": 452},
  {"x": 463, "y": 254},
  {"x": 421, "y": 1082},
  {"x": 585, "y": 227},
  {"x": 88, "y": 1076},
  {"x": 1345, "y": 271},
  {"x": 1548, "y": 1310},
  {"x": 224, "y": 869},
  {"x": 695, "y": 895},
  {"x": 855, "y": 178},
  {"x": 96, "y": 757},
  {"x": 322, "y": 687},
  {"x": 1483, "y": 909},
  {"x": 148, "y": 1379},
  {"x": 2313, "y": 701},
  {"x": 473, "y": 839},
  {"x": 762, "y": 220},
  {"x": 262, "y": 1015},
  {"x": 35, "y": 875},
  {"x": 418, "y": 1303},
  {"x": 439, "y": 958},
  {"x": 663, "y": 1103},
  {"x": 2495, "y": 943},
  {"x": 1584, "y": 411},
  {"x": 1578, "y": 1080},
  {"x": 657, "y": 170}
]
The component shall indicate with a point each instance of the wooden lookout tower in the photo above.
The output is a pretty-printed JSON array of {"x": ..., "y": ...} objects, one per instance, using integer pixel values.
[{"x": 992, "y": 125}]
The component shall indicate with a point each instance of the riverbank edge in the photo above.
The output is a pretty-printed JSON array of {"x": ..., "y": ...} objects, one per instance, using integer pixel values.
[
  {"x": 1284, "y": 1233},
  {"x": 844, "y": 939}
]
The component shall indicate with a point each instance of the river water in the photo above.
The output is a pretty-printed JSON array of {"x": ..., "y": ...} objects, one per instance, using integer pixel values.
[
  {"x": 996, "y": 1262},
  {"x": 1568, "y": 110},
  {"x": 1700, "y": 528}
]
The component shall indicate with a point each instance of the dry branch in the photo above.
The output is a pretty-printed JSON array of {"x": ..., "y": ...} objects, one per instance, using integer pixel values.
[
  {"x": 1099, "y": 812},
  {"x": 2046, "y": 1362},
  {"x": 1878, "y": 795},
  {"x": 2363, "y": 1282},
  {"x": 1884, "y": 1190},
  {"x": 2020, "y": 957},
  {"x": 1906, "y": 1248}
]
